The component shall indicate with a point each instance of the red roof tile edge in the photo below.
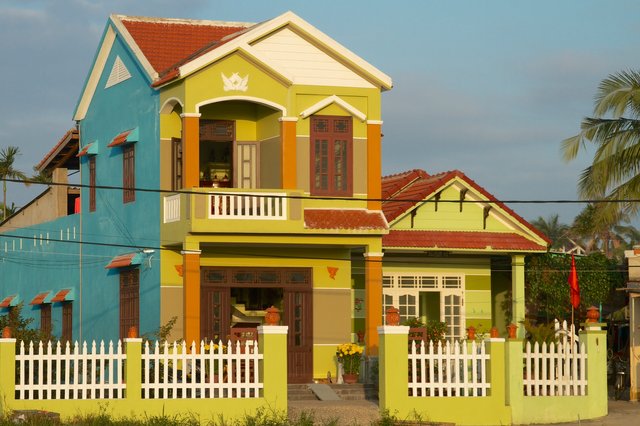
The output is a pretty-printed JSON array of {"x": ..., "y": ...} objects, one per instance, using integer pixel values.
[
  {"x": 461, "y": 240},
  {"x": 353, "y": 219}
]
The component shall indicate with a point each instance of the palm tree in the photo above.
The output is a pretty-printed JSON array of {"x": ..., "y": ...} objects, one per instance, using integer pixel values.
[
  {"x": 7, "y": 158},
  {"x": 615, "y": 131},
  {"x": 552, "y": 228}
]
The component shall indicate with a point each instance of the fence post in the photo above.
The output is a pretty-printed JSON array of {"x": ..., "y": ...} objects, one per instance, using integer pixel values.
[
  {"x": 272, "y": 341},
  {"x": 595, "y": 340},
  {"x": 514, "y": 362},
  {"x": 394, "y": 367},
  {"x": 7, "y": 373},
  {"x": 133, "y": 369}
]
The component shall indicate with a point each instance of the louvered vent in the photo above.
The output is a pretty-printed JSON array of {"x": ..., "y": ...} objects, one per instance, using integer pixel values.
[{"x": 119, "y": 73}]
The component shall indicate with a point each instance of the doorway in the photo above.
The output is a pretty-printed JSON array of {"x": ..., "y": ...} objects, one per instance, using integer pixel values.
[{"x": 237, "y": 297}]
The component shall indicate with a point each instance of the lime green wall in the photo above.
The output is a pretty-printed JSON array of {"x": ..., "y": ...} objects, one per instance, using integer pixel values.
[{"x": 171, "y": 124}]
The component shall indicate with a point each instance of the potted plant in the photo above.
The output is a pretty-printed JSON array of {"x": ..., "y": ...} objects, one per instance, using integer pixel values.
[{"x": 349, "y": 355}]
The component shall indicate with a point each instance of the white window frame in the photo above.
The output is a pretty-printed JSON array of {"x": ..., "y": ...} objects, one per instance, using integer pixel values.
[{"x": 395, "y": 285}]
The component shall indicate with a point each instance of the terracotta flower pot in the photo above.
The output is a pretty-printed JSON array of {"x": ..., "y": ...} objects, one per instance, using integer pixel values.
[
  {"x": 350, "y": 378},
  {"x": 272, "y": 317},
  {"x": 393, "y": 316}
]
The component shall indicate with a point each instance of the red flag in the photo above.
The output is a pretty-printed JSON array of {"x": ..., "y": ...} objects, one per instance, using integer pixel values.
[{"x": 574, "y": 288}]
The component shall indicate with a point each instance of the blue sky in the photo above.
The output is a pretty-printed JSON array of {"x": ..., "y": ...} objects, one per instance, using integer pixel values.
[{"x": 488, "y": 88}]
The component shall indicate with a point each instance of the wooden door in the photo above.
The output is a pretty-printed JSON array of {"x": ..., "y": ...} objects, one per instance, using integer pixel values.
[
  {"x": 215, "y": 312},
  {"x": 298, "y": 316}
]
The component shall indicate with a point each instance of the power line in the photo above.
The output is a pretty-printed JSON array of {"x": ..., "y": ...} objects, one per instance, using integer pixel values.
[{"x": 315, "y": 197}]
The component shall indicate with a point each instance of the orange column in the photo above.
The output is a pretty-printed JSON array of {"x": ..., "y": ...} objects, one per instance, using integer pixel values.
[
  {"x": 373, "y": 300},
  {"x": 289, "y": 158},
  {"x": 191, "y": 149},
  {"x": 374, "y": 164},
  {"x": 191, "y": 295}
]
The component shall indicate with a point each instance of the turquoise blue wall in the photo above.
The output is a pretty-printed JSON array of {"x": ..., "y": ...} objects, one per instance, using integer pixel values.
[
  {"x": 40, "y": 258},
  {"x": 129, "y": 104}
]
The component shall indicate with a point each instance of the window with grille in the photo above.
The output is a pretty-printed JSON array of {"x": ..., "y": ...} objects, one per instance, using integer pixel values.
[
  {"x": 67, "y": 322},
  {"x": 129, "y": 301},
  {"x": 331, "y": 155},
  {"x": 45, "y": 319},
  {"x": 176, "y": 161},
  {"x": 92, "y": 184},
  {"x": 128, "y": 173}
]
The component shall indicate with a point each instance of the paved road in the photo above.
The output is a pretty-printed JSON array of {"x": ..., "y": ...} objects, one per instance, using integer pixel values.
[{"x": 352, "y": 413}]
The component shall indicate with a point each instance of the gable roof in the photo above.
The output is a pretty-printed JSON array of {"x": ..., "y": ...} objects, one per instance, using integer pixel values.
[
  {"x": 405, "y": 191},
  {"x": 169, "y": 49},
  {"x": 63, "y": 154}
]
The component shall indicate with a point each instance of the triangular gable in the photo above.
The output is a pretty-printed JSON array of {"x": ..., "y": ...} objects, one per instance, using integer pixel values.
[
  {"x": 251, "y": 39},
  {"x": 406, "y": 192},
  {"x": 119, "y": 73}
]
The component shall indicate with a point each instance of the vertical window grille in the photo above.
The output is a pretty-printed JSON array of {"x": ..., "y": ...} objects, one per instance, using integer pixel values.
[
  {"x": 92, "y": 184},
  {"x": 45, "y": 319},
  {"x": 129, "y": 301},
  {"x": 67, "y": 322},
  {"x": 176, "y": 149},
  {"x": 331, "y": 155},
  {"x": 128, "y": 173}
]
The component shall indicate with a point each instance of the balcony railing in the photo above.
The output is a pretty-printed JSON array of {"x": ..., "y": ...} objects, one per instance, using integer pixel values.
[
  {"x": 248, "y": 205},
  {"x": 172, "y": 208}
]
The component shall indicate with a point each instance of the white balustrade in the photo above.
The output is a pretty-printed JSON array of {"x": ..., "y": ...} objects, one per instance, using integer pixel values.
[{"x": 247, "y": 205}]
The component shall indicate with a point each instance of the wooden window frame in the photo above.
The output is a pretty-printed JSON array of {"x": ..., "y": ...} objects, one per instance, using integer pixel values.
[
  {"x": 128, "y": 173},
  {"x": 45, "y": 319},
  {"x": 331, "y": 137},
  {"x": 129, "y": 297},
  {"x": 176, "y": 164},
  {"x": 67, "y": 322},
  {"x": 92, "y": 184}
]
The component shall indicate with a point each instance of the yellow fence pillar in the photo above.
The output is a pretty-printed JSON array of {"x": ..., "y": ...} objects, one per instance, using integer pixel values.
[
  {"x": 289, "y": 152},
  {"x": 595, "y": 340},
  {"x": 272, "y": 341},
  {"x": 373, "y": 300},
  {"x": 191, "y": 295},
  {"x": 514, "y": 396},
  {"x": 133, "y": 370},
  {"x": 374, "y": 164},
  {"x": 7, "y": 374},
  {"x": 393, "y": 366},
  {"x": 517, "y": 292},
  {"x": 190, "y": 149}
]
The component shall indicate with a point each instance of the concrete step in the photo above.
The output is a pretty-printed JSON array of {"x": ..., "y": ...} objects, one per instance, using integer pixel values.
[
  {"x": 300, "y": 393},
  {"x": 356, "y": 391}
]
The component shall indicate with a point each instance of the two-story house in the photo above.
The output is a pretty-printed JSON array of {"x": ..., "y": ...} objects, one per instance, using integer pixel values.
[{"x": 225, "y": 167}]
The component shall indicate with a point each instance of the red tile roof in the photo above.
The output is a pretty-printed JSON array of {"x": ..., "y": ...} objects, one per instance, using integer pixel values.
[
  {"x": 61, "y": 296},
  {"x": 414, "y": 186},
  {"x": 461, "y": 240},
  {"x": 84, "y": 150},
  {"x": 39, "y": 299},
  {"x": 6, "y": 302},
  {"x": 119, "y": 140},
  {"x": 353, "y": 219},
  {"x": 121, "y": 261},
  {"x": 166, "y": 42},
  {"x": 67, "y": 143}
]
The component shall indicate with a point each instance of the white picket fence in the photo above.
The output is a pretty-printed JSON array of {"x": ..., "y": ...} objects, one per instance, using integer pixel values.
[
  {"x": 557, "y": 368},
  {"x": 48, "y": 371},
  {"x": 446, "y": 370},
  {"x": 215, "y": 371}
]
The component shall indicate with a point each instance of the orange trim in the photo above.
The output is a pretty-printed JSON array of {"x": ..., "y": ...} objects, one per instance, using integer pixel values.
[
  {"x": 120, "y": 139},
  {"x": 39, "y": 299},
  {"x": 374, "y": 166},
  {"x": 373, "y": 302},
  {"x": 191, "y": 151},
  {"x": 289, "y": 160},
  {"x": 6, "y": 302},
  {"x": 121, "y": 261},
  {"x": 60, "y": 296},
  {"x": 191, "y": 291}
]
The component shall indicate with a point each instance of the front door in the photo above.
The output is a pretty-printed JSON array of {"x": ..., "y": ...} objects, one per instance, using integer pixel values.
[
  {"x": 296, "y": 302},
  {"x": 297, "y": 315}
]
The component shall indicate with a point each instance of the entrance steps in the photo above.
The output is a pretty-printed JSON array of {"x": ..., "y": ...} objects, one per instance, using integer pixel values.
[{"x": 357, "y": 391}]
